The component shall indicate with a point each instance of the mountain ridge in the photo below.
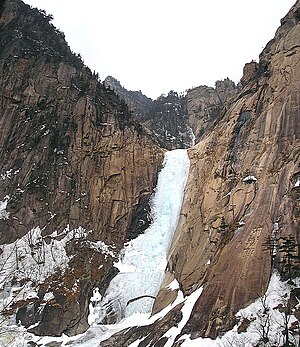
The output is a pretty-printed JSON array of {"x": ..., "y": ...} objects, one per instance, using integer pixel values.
[{"x": 177, "y": 120}]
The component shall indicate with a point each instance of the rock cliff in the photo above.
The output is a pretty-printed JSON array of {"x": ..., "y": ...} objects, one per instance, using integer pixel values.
[
  {"x": 76, "y": 175},
  {"x": 180, "y": 120},
  {"x": 242, "y": 182},
  {"x": 137, "y": 102},
  {"x": 167, "y": 118},
  {"x": 205, "y": 105},
  {"x": 243, "y": 187}
]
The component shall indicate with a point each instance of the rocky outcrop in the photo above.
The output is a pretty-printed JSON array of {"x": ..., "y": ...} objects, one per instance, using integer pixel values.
[
  {"x": 250, "y": 72},
  {"x": 75, "y": 170},
  {"x": 205, "y": 105},
  {"x": 166, "y": 118},
  {"x": 136, "y": 101},
  {"x": 151, "y": 335}
]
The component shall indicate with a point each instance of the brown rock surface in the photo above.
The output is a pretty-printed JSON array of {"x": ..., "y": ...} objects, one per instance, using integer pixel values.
[
  {"x": 70, "y": 155},
  {"x": 250, "y": 73},
  {"x": 205, "y": 105},
  {"x": 226, "y": 216}
]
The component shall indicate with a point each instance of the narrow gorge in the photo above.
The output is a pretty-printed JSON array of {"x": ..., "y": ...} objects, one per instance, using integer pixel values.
[{"x": 127, "y": 221}]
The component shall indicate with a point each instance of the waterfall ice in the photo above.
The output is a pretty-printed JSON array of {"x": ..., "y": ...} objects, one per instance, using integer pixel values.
[{"x": 143, "y": 261}]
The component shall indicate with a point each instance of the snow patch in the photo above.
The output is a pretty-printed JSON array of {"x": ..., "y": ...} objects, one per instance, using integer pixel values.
[
  {"x": 48, "y": 296},
  {"x": 32, "y": 258},
  {"x": 250, "y": 179},
  {"x": 192, "y": 135},
  {"x": 123, "y": 268},
  {"x": 174, "y": 285},
  {"x": 101, "y": 247},
  {"x": 8, "y": 174},
  {"x": 3, "y": 204},
  {"x": 186, "y": 312}
]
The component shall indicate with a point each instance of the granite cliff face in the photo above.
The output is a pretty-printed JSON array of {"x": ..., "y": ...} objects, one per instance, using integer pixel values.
[
  {"x": 243, "y": 187},
  {"x": 167, "y": 118},
  {"x": 136, "y": 101},
  {"x": 242, "y": 182},
  {"x": 76, "y": 174},
  {"x": 205, "y": 105}
]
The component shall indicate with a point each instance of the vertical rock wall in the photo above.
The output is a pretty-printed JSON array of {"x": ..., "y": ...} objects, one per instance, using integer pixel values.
[
  {"x": 71, "y": 156},
  {"x": 242, "y": 181},
  {"x": 205, "y": 105}
]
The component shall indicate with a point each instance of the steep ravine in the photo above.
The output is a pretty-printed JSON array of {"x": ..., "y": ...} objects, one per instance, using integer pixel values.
[
  {"x": 179, "y": 120},
  {"x": 242, "y": 189},
  {"x": 77, "y": 173},
  {"x": 166, "y": 118}
]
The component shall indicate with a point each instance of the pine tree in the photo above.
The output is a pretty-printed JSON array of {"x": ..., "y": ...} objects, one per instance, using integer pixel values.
[
  {"x": 270, "y": 246},
  {"x": 288, "y": 248}
]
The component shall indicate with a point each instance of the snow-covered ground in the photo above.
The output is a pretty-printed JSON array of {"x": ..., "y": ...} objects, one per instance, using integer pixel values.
[
  {"x": 262, "y": 313},
  {"x": 266, "y": 320},
  {"x": 33, "y": 259}
]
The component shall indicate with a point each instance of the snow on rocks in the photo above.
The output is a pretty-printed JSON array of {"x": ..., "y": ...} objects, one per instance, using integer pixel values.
[
  {"x": 32, "y": 258},
  {"x": 143, "y": 261},
  {"x": 263, "y": 315},
  {"x": 186, "y": 312},
  {"x": 3, "y": 204},
  {"x": 101, "y": 247},
  {"x": 250, "y": 179},
  {"x": 137, "y": 319},
  {"x": 277, "y": 294},
  {"x": 8, "y": 174},
  {"x": 174, "y": 285}
]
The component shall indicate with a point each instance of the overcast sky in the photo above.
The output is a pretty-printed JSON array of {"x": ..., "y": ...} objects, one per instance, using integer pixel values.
[{"x": 159, "y": 45}]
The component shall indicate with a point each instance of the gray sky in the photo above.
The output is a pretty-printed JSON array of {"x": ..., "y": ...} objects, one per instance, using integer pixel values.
[{"x": 159, "y": 45}]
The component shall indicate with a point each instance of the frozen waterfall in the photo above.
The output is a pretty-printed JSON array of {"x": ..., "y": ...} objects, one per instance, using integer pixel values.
[{"x": 143, "y": 260}]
